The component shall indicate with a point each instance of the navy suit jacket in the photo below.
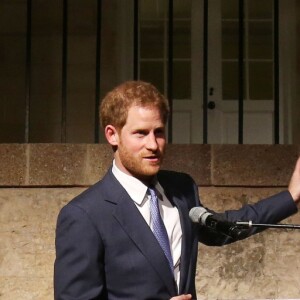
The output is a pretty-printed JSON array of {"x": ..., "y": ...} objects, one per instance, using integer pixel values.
[{"x": 106, "y": 250}]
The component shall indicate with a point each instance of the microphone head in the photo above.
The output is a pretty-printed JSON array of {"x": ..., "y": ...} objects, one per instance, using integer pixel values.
[{"x": 198, "y": 214}]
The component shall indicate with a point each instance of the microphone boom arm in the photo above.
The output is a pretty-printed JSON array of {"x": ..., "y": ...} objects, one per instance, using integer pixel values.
[{"x": 249, "y": 224}]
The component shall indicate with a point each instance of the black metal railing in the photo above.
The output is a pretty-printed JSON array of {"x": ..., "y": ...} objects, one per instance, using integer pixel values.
[
  {"x": 170, "y": 69},
  {"x": 28, "y": 71},
  {"x": 276, "y": 72},
  {"x": 241, "y": 74},
  {"x": 64, "y": 95},
  {"x": 99, "y": 42},
  {"x": 98, "y": 68}
]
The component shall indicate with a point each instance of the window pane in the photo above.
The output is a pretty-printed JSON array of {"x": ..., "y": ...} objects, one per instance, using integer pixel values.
[
  {"x": 152, "y": 9},
  {"x": 182, "y": 80},
  {"x": 230, "y": 40},
  {"x": 152, "y": 39},
  {"x": 13, "y": 90},
  {"x": 230, "y": 81},
  {"x": 153, "y": 72},
  {"x": 258, "y": 9},
  {"x": 230, "y": 9},
  {"x": 182, "y": 39},
  {"x": 261, "y": 80},
  {"x": 12, "y": 118},
  {"x": 182, "y": 9},
  {"x": 260, "y": 40}
]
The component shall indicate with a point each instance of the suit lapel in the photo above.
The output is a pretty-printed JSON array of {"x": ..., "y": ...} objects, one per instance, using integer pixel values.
[
  {"x": 139, "y": 232},
  {"x": 186, "y": 240}
]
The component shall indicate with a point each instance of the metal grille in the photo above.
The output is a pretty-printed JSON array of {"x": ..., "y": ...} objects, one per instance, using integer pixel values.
[{"x": 99, "y": 40}]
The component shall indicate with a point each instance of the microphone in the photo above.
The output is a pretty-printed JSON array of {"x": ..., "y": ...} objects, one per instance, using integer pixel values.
[{"x": 201, "y": 216}]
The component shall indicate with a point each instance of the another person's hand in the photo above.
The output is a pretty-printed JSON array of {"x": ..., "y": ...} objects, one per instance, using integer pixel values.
[
  {"x": 182, "y": 297},
  {"x": 294, "y": 185}
]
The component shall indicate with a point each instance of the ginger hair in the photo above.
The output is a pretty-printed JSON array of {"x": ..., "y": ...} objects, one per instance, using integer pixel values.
[{"x": 115, "y": 105}]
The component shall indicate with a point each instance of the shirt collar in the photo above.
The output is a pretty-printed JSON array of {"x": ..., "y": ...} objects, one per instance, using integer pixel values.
[{"x": 134, "y": 187}]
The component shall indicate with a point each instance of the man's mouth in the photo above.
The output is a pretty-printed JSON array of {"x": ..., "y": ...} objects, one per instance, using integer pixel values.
[{"x": 152, "y": 158}]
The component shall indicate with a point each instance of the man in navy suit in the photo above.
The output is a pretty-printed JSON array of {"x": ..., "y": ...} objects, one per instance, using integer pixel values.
[{"x": 105, "y": 245}]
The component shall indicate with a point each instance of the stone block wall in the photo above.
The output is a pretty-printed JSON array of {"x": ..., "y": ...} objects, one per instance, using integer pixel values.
[{"x": 36, "y": 180}]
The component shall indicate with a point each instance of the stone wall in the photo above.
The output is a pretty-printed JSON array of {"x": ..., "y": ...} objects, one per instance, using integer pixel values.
[{"x": 36, "y": 180}]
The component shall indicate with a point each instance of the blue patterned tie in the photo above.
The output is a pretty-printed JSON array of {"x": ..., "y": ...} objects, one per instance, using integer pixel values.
[{"x": 159, "y": 228}]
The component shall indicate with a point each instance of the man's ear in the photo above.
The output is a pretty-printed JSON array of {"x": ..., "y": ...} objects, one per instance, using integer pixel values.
[{"x": 112, "y": 135}]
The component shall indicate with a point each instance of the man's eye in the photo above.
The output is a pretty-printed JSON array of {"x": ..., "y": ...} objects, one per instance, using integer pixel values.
[
  {"x": 141, "y": 133},
  {"x": 159, "y": 132}
]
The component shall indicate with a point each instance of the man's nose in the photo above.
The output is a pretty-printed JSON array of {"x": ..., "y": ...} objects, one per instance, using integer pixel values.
[{"x": 151, "y": 142}]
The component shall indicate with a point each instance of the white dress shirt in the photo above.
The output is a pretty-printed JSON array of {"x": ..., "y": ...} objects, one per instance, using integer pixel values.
[{"x": 169, "y": 213}]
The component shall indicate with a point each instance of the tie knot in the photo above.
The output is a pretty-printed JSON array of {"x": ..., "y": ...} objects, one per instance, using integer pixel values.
[{"x": 152, "y": 192}]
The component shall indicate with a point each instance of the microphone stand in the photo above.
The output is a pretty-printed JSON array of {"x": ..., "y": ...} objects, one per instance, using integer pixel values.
[{"x": 249, "y": 224}]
